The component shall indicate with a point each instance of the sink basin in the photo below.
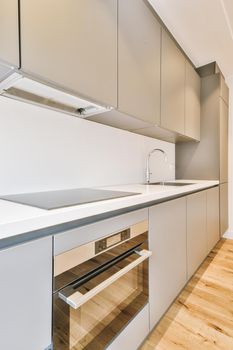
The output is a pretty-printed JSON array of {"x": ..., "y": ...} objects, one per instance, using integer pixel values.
[{"x": 170, "y": 183}]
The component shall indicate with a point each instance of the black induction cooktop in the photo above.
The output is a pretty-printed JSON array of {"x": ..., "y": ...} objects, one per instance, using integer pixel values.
[{"x": 65, "y": 198}]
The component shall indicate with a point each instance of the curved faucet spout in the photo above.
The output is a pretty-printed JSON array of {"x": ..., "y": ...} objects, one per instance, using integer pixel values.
[{"x": 148, "y": 173}]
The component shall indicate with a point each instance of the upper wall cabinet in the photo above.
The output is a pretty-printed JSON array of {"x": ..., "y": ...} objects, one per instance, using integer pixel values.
[
  {"x": 172, "y": 85},
  {"x": 139, "y": 36},
  {"x": 72, "y": 43},
  {"x": 192, "y": 102},
  {"x": 9, "y": 33}
]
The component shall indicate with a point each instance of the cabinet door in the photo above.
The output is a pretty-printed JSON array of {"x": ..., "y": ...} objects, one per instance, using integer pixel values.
[
  {"x": 224, "y": 90},
  {"x": 167, "y": 266},
  {"x": 192, "y": 102},
  {"x": 139, "y": 61},
  {"x": 133, "y": 334},
  {"x": 196, "y": 231},
  {"x": 223, "y": 142},
  {"x": 223, "y": 208},
  {"x": 72, "y": 43},
  {"x": 172, "y": 85},
  {"x": 212, "y": 217},
  {"x": 9, "y": 32},
  {"x": 26, "y": 296}
]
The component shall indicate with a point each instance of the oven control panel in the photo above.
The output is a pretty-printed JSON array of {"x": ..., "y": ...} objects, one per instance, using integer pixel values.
[{"x": 110, "y": 241}]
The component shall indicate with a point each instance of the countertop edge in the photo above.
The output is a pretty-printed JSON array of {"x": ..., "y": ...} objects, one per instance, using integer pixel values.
[{"x": 21, "y": 238}]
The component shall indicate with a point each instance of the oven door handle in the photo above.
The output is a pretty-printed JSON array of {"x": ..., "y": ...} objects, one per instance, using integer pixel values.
[{"x": 77, "y": 299}]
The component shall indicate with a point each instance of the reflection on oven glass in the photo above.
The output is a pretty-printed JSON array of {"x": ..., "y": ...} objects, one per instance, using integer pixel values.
[
  {"x": 98, "y": 321},
  {"x": 95, "y": 324}
]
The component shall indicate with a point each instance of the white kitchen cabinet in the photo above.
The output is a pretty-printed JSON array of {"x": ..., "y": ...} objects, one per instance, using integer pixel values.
[
  {"x": 196, "y": 231},
  {"x": 72, "y": 43},
  {"x": 167, "y": 265},
  {"x": 26, "y": 296},
  {"x": 212, "y": 221}
]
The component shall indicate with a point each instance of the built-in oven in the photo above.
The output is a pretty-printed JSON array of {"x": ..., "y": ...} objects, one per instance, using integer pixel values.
[{"x": 99, "y": 287}]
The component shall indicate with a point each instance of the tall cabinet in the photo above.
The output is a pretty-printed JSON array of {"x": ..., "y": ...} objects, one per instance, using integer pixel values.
[{"x": 208, "y": 159}]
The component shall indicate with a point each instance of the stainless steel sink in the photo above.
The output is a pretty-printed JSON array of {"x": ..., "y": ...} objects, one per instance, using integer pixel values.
[{"x": 170, "y": 183}]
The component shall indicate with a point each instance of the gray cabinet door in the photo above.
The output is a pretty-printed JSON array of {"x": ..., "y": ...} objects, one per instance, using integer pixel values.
[
  {"x": 192, "y": 102},
  {"x": 139, "y": 38},
  {"x": 167, "y": 266},
  {"x": 172, "y": 85},
  {"x": 196, "y": 231},
  {"x": 224, "y": 90},
  {"x": 223, "y": 121},
  {"x": 72, "y": 43},
  {"x": 9, "y": 32},
  {"x": 212, "y": 217},
  {"x": 207, "y": 159},
  {"x": 134, "y": 333},
  {"x": 26, "y": 296},
  {"x": 223, "y": 208}
]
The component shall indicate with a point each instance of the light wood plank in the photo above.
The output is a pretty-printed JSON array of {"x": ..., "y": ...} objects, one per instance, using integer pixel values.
[{"x": 201, "y": 318}]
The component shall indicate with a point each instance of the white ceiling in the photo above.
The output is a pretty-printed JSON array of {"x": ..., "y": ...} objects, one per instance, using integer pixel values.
[{"x": 203, "y": 28}]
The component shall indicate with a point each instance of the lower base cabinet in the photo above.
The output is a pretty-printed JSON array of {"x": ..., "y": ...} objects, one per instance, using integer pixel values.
[
  {"x": 167, "y": 266},
  {"x": 181, "y": 234},
  {"x": 223, "y": 208},
  {"x": 26, "y": 296},
  {"x": 212, "y": 223},
  {"x": 196, "y": 231},
  {"x": 202, "y": 226},
  {"x": 134, "y": 334}
]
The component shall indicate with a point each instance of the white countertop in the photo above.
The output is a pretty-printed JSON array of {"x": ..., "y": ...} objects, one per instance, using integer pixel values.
[{"x": 16, "y": 219}]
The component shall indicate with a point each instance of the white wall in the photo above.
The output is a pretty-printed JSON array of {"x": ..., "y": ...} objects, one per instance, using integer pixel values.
[
  {"x": 230, "y": 156},
  {"x": 44, "y": 150}
]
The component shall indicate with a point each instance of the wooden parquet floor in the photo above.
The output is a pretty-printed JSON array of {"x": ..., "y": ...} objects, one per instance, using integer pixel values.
[{"x": 201, "y": 318}]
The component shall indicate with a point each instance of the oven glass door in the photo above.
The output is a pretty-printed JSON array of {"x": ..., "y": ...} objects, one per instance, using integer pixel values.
[{"x": 90, "y": 314}]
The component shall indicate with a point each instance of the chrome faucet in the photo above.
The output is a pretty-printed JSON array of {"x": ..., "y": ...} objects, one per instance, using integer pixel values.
[{"x": 148, "y": 173}]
